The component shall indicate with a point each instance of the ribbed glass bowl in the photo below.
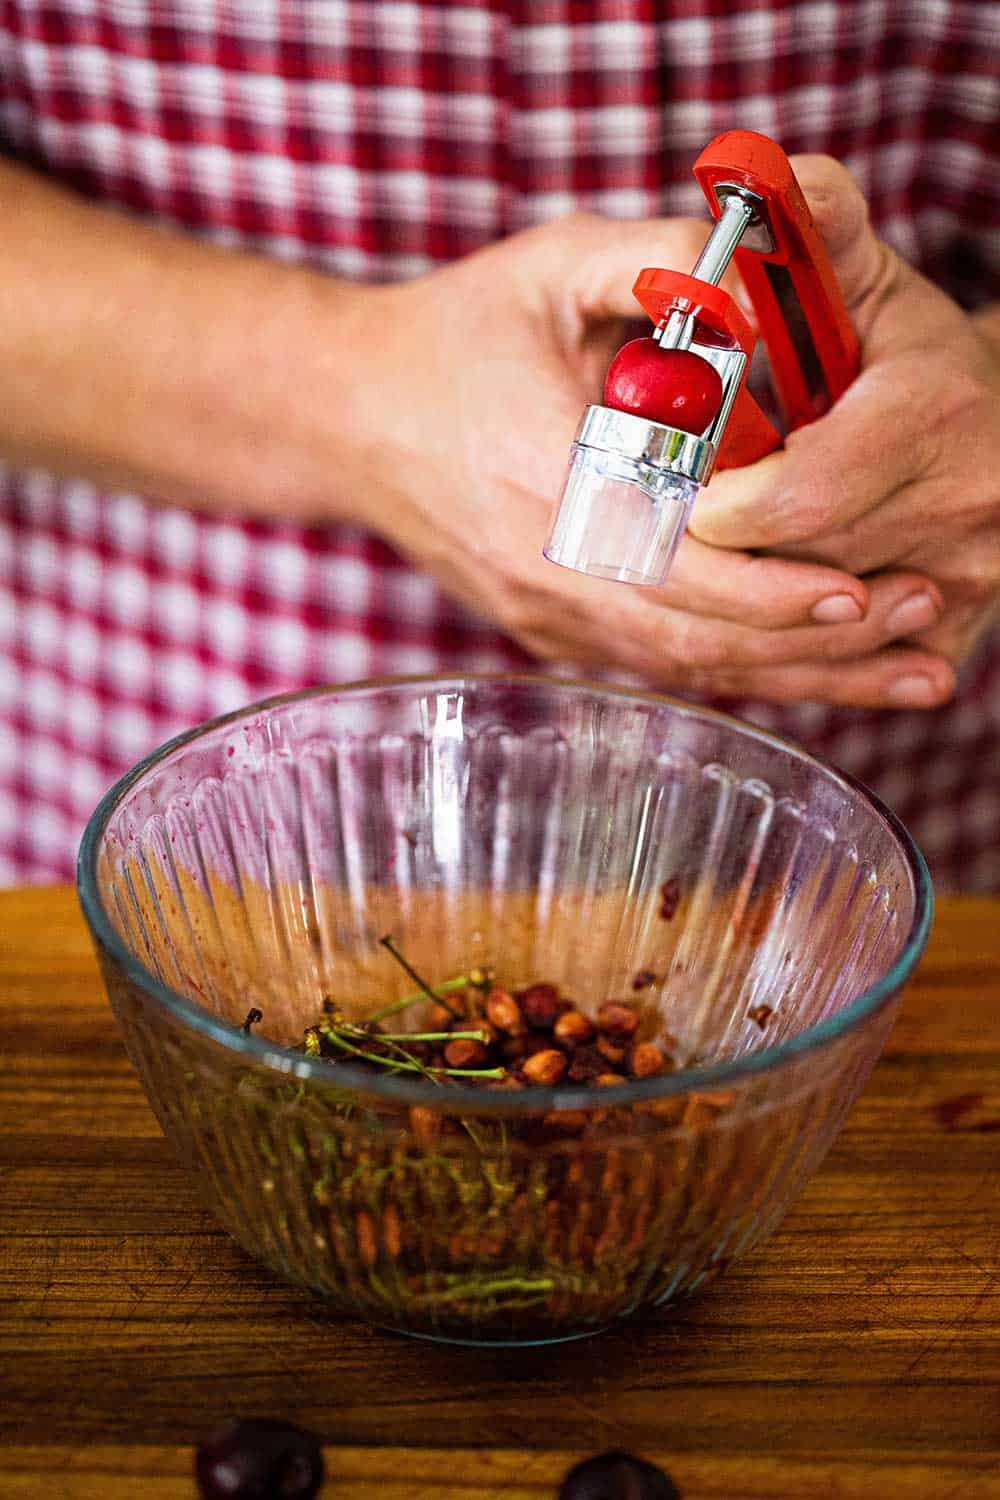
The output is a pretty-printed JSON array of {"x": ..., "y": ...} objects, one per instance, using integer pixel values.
[{"x": 527, "y": 825}]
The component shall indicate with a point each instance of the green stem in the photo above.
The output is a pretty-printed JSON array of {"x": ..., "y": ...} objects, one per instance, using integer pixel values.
[
  {"x": 430, "y": 1036},
  {"x": 414, "y": 1062},
  {"x": 388, "y": 943},
  {"x": 499, "y": 1287},
  {"x": 460, "y": 983},
  {"x": 337, "y": 1040},
  {"x": 410, "y": 1065},
  {"x": 497, "y": 1073}
]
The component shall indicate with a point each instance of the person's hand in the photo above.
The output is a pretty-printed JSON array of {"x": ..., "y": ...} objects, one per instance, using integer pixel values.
[
  {"x": 904, "y": 471},
  {"x": 465, "y": 398}
]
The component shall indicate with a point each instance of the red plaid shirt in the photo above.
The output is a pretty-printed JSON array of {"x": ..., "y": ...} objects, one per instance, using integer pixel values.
[{"x": 377, "y": 140}]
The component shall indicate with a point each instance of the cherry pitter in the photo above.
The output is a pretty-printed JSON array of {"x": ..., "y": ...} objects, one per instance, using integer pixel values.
[{"x": 676, "y": 404}]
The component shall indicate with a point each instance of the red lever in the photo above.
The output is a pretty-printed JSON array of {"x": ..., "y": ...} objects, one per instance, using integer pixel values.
[
  {"x": 801, "y": 316},
  {"x": 812, "y": 347}
]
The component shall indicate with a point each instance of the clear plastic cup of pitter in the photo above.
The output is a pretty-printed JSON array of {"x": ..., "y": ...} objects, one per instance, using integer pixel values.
[{"x": 621, "y": 516}]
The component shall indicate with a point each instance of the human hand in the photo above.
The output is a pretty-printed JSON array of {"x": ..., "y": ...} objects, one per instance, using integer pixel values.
[
  {"x": 903, "y": 471},
  {"x": 462, "y": 413}
]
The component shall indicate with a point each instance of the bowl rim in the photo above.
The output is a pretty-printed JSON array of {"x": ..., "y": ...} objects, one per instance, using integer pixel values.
[{"x": 468, "y": 1099}]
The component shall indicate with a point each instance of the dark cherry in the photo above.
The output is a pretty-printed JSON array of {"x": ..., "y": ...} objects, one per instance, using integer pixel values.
[
  {"x": 617, "y": 1476},
  {"x": 540, "y": 1006},
  {"x": 259, "y": 1459}
]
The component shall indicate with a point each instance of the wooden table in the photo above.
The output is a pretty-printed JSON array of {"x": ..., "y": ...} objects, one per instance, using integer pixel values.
[{"x": 857, "y": 1354}]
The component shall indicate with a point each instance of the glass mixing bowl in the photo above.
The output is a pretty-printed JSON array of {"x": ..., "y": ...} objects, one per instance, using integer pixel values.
[{"x": 530, "y": 826}]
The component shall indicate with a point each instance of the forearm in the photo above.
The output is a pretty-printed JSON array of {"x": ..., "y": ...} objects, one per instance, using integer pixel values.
[{"x": 145, "y": 359}]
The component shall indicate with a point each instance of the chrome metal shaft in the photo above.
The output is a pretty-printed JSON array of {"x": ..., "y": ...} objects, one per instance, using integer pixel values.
[{"x": 736, "y": 217}]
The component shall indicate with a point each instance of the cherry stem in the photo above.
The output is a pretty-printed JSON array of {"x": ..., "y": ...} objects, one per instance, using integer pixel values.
[
  {"x": 388, "y": 943},
  {"x": 441, "y": 989},
  {"x": 429, "y": 1036},
  {"x": 406, "y": 1064},
  {"x": 497, "y": 1073},
  {"x": 395, "y": 1064}
]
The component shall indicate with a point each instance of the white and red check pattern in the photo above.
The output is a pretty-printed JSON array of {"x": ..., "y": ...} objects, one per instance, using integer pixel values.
[{"x": 378, "y": 140}]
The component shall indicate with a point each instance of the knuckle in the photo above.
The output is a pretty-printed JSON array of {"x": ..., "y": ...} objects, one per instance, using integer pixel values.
[
  {"x": 526, "y": 610},
  {"x": 831, "y": 179},
  {"x": 776, "y": 612},
  {"x": 979, "y": 587},
  {"x": 579, "y": 222},
  {"x": 764, "y": 648},
  {"x": 970, "y": 574},
  {"x": 833, "y": 193},
  {"x": 760, "y": 604},
  {"x": 839, "y": 647},
  {"x": 696, "y": 645},
  {"x": 965, "y": 397},
  {"x": 975, "y": 511},
  {"x": 724, "y": 684},
  {"x": 957, "y": 404},
  {"x": 801, "y": 513},
  {"x": 952, "y": 641},
  {"x": 536, "y": 643}
]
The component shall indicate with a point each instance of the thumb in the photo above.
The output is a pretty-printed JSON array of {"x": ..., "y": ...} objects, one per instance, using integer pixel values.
[
  {"x": 588, "y": 263},
  {"x": 892, "y": 307},
  {"x": 880, "y": 433},
  {"x": 861, "y": 261},
  {"x": 577, "y": 274}
]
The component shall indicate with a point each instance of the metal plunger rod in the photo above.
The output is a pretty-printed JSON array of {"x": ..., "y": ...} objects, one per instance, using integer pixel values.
[{"x": 735, "y": 219}]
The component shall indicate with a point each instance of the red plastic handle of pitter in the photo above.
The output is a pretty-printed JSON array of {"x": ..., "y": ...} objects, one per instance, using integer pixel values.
[{"x": 812, "y": 347}]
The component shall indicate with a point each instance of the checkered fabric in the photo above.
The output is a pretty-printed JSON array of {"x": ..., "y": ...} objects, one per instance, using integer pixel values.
[{"x": 378, "y": 140}]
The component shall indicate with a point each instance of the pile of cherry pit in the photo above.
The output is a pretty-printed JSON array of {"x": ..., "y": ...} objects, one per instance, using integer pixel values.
[
  {"x": 267, "y": 1460},
  {"x": 478, "y": 1032}
]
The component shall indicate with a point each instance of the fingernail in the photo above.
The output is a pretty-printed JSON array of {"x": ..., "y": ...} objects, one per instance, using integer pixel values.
[
  {"x": 915, "y": 691},
  {"x": 838, "y": 609},
  {"x": 916, "y": 612}
]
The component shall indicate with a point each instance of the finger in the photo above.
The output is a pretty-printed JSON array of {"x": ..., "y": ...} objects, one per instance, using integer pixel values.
[
  {"x": 592, "y": 261},
  {"x": 769, "y": 593},
  {"x": 898, "y": 677},
  {"x": 863, "y": 263},
  {"x": 883, "y": 435},
  {"x": 606, "y": 624},
  {"x": 960, "y": 631},
  {"x": 907, "y": 530},
  {"x": 890, "y": 303},
  {"x": 892, "y": 677},
  {"x": 899, "y": 605}
]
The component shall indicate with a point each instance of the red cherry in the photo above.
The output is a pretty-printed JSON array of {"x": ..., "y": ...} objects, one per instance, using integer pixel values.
[{"x": 672, "y": 386}]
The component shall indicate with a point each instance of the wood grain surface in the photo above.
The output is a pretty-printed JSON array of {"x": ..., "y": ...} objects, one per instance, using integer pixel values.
[{"x": 857, "y": 1354}]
